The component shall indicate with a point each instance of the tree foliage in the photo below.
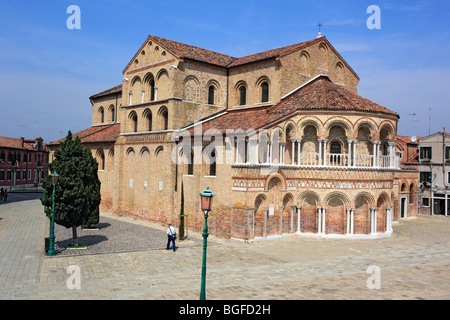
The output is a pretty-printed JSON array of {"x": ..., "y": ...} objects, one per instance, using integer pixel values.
[{"x": 78, "y": 188}]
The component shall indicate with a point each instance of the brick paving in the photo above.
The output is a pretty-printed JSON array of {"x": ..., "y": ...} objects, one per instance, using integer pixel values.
[{"x": 126, "y": 259}]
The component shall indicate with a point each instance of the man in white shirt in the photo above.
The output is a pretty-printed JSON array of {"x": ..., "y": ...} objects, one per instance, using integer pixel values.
[{"x": 171, "y": 236}]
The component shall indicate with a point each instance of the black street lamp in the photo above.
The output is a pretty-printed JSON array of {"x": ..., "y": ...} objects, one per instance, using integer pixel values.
[{"x": 206, "y": 201}]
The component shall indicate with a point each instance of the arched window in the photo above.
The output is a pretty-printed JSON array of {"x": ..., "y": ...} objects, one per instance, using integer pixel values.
[
  {"x": 134, "y": 121},
  {"x": 102, "y": 115},
  {"x": 152, "y": 90},
  {"x": 112, "y": 113},
  {"x": 211, "y": 95},
  {"x": 242, "y": 95},
  {"x": 163, "y": 115},
  {"x": 190, "y": 168},
  {"x": 264, "y": 92},
  {"x": 148, "y": 118},
  {"x": 212, "y": 163},
  {"x": 101, "y": 160},
  {"x": 335, "y": 147}
]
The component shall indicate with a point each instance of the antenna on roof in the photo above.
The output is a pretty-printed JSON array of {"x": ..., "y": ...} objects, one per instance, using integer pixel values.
[
  {"x": 429, "y": 121},
  {"x": 320, "y": 34}
]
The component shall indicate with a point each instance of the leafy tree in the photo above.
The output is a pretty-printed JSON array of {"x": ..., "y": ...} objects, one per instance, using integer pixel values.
[{"x": 78, "y": 189}]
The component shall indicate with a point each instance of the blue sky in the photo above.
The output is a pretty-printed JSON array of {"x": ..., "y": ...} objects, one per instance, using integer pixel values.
[{"x": 48, "y": 72}]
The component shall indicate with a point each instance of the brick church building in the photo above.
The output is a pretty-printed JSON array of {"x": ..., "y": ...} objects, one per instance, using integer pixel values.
[{"x": 281, "y": 137}]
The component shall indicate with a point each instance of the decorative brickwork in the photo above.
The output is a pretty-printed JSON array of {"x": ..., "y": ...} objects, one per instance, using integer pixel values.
[{"x": 281, "y": 137}]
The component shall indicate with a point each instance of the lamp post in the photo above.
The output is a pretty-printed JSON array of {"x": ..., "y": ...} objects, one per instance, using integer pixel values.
[
  {"x": 51, "y": 249},
  {"x": 206, "y": 200}
]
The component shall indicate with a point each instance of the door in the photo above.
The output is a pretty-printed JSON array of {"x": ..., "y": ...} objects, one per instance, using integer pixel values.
[{"x": 403, "y": 208}]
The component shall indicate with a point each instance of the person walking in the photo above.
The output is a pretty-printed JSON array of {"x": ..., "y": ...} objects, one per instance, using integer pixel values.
[
  {"x": 171, "y": 236},
  {"x": 5, "y": 194},
  {"x": 1, "y": 194}
]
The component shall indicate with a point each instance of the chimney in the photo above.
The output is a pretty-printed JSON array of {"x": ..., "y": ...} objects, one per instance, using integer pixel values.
[{"x": 22, "y": 140}]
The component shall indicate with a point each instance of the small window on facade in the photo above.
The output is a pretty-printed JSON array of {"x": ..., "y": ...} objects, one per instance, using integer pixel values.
[
  {"x": 211, "y": 95},
  {"x": 102, "y": 113},
  {"x": 112, "y": 114},
  {"x": 152, "y": 90},
  {"x": 425, "y": 177},
  {"x": 242, "y": 96},
  {"x": 447, "y": 153},
  {"x": 102, "y": 159},
  {"x": 191, "y": 163},
  {"x": 149, "y": 119},
  {"x": 335, "y": 147},
  {"x": 425, "y": 153},
  {"x": 135, "y": 122},
  {"x": 166, "y": 120},
  {"x": 425, "y": 202},
  {"x": 212, "y": 165},
  {"x": 264, "y": 92}
]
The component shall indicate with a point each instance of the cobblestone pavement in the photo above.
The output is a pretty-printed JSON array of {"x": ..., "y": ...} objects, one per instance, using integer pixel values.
[{"x": 126, "y": 259}]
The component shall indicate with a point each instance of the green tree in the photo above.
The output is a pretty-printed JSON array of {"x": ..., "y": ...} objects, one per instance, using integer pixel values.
[{"x": 78, "y": 189}]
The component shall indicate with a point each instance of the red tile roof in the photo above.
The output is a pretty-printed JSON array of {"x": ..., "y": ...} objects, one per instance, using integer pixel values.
[
  {"x": 116, "y": 89},
  {"x": 322, "y": 94},
  {"x": 95, "y": 134},
  {"x": 183, "y": 50},
  {"x": 14, "y": 143},
  {"x": 273, "y": 53},
  {"x": 319, "y": 94}
]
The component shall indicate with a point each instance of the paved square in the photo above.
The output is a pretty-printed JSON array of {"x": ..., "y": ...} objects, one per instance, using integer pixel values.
[{"x": 412, "y": 264}]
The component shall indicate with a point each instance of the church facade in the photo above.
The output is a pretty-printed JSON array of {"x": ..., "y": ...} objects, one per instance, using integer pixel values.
[{"x": 281, "y": 137}]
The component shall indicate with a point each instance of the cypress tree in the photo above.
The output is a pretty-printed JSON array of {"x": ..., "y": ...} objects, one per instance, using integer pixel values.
[{"x": 78, "y": 189}]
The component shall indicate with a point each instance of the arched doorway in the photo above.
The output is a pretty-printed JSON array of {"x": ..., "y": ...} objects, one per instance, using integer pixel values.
[
  {"x": 335, "y": 213},
  {"x": 362, "y": 215},
  {"x": 261, "y": 211},
  {"x": 275, "y": 210},
  {"x": 308, "y": 212}
]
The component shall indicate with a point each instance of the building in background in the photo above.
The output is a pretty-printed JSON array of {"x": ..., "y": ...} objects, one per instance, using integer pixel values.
[
  {"x": 434, "y": 179},
  {"x": 23, "y": 162}
]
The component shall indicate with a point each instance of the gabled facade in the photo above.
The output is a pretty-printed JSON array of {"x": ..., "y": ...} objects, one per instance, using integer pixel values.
[{"x": 281, "y": 137}]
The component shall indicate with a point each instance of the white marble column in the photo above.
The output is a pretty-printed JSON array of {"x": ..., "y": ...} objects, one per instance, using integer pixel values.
[
  {"x": 354, "y": 152},
  {"x": 378, "y": 153},
  {"x": 247, "y": 144},
  {"x": 325, "y": 152},
  {"x": 323, "y": 220},
  {"x": 373, "y": 220},
  {"x": 374, "y": 152},
  {"x": 236, "y": 149},
  {"x": 350, "y": 162},
  {"x": 320, "y": 151},
  {"x": 293, "y": 151},
  {"x": 391, "y": 154},
  {"x": 319, "y": 220},
  {"x": 299, "y": 214},
  {"x": 299, "y": 144},
  {"x": 388, "y": 219}
]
